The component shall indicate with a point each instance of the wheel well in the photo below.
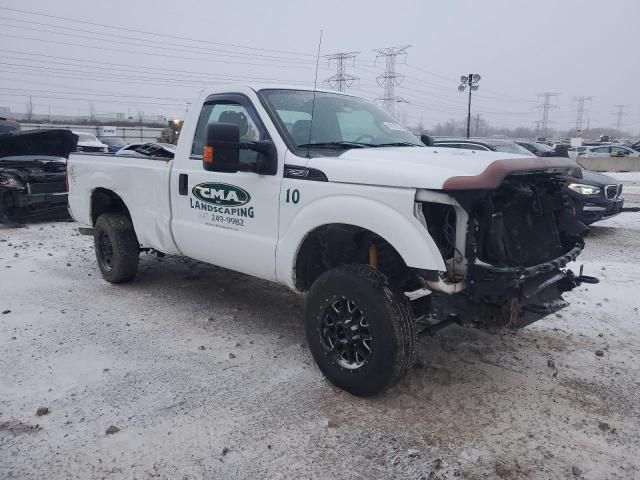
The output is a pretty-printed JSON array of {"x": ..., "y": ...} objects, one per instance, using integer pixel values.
[
  {"x": 338, "y": 244},
  {"x": 103, "y": 201}
]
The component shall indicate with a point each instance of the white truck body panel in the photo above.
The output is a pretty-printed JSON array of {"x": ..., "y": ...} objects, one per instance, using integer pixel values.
[
  {"x": 141, "y": 183},
  {"x": 416, "y": 167}
]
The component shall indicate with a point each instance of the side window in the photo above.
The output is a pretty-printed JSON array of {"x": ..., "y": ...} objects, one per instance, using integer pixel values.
[
  {"x": 228, "y": 112},
  {"x": 601, "y": 150}
]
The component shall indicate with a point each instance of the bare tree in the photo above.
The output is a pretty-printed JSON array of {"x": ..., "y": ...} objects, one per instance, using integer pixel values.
[
  {"x": 140, "y": 116},
  {"x": 29, "y": 109}
]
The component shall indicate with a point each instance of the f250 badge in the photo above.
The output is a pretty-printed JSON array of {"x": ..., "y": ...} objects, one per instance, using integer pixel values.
[{"x": 222, "y": 194}]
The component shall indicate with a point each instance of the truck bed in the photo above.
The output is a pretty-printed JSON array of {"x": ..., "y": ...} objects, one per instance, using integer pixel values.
[{"x": 141, "y": 183}]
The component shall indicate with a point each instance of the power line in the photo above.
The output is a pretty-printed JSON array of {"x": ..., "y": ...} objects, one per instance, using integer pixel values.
[
  {"x": 389, "y": 79},
  {"x": 174, "y": 74},
  {"x": 157, "y": 44},
  {"x": 546, "y": 106},
  {"x": 580, "y": 110},
  {"x": 341, "y": 80},
  {"x": 146, "y": 32},
  {"x": 179, "y": 57}
]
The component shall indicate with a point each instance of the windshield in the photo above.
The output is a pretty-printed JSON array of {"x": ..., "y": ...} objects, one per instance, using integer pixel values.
[
  {"x": 339, "y": 120},
  {"x": 86, "y": 137},
  {"x": 511, "y": 148}
]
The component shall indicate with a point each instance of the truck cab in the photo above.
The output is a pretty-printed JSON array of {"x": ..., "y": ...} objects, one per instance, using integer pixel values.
[{"x": 327, "y": 194}]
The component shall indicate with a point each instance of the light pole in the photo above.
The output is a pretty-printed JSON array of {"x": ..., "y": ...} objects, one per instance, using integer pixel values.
[{"x": 469, "y": 81}]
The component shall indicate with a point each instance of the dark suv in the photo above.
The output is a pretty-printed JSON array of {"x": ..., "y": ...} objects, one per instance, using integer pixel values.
[{"x": 596, "y": 196}]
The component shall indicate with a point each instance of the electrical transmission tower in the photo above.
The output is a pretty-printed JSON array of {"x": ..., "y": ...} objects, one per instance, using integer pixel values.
[
  {"x": 619, "y": 113},
  {"x": 389, "y": 79},
  {"x": 546, "y": 106},
  {"x": 580, "y": 110},
  {"x": 342, "y": 80}
]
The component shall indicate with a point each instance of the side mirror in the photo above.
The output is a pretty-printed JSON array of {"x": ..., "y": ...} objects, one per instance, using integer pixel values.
[
  {"x": 222, "y": 151},
  {"x": 427, "y": 140}
]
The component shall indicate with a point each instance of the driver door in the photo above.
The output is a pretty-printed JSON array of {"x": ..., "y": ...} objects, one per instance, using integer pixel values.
[{"x": 223, "y": 218}]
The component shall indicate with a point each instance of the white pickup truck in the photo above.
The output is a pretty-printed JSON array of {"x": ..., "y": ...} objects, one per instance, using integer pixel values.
[{"x": 325, "y": 193}]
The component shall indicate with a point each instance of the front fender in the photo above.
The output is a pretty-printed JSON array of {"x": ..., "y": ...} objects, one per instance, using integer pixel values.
[{"x": 397, "y": 225}]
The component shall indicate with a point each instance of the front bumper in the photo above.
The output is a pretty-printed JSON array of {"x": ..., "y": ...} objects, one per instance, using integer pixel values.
[
  {"x": 48, "y": 199},
  {"x": 487, "y": 282},
  {"x": 592, "y": 210}
]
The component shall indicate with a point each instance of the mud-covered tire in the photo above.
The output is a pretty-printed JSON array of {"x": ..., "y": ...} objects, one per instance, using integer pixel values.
[
  {"x": 390, "y": 327},
  {"x": 116, "y": 245}
]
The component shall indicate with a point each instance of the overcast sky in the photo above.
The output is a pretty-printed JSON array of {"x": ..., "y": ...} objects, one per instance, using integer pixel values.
[{"x": 520, "y": 48}]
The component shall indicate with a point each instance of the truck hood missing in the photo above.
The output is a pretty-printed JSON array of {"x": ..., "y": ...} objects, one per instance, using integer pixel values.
[
  {"x": 50, "y": 143},
  {"x": 431, "y": 167}
]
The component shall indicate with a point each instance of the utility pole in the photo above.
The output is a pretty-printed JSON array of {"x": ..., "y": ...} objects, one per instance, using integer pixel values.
[
  {"x": 389, "y": 79},
  {"x": 341, "y": 80},
  {"x": 546, "y": 106},
  {"x": 580, "y": 111},
  {"x": 619, "y": 113},
  {"x": 470, "y": 81}
]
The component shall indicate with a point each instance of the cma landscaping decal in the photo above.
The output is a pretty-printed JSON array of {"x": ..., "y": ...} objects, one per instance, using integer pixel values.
[{"x": 221, "y": 204}]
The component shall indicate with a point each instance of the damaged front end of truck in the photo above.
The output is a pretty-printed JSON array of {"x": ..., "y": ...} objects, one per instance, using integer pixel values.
[{"x": 506, "y": 237}]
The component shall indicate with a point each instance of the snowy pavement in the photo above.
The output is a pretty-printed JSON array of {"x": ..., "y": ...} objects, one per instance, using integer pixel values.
[{"x": 206, "y": 374}]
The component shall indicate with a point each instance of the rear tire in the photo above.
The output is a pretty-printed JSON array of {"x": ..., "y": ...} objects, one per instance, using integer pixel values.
[
  {"x": 116, "y": 245},
  {"x": 360, "y": 331}
]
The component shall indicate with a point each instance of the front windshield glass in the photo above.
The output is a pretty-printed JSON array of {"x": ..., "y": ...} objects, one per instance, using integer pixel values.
[
  {"x": 511, "y": 148},
  {"x": 339, "y": 120},
  {"x": 86, "y": 137}
]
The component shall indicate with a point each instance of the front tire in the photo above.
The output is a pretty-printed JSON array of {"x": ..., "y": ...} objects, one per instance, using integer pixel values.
[
  {"x": 116, "y": 246},
  {"x": 360, "y": 331}
]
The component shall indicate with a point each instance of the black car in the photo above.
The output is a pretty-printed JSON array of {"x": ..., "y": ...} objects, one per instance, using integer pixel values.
[
  {"x": 596, "y": 196},
  {"x": 32, "y": 174},
  {"x": 482, "y": 144},
  {"x": 539, "y": 149}
]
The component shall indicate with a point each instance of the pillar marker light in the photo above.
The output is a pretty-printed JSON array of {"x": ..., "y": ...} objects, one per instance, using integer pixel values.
[
  {"x": 469, "y": 81},
  {"x": 208, "y": 154}
]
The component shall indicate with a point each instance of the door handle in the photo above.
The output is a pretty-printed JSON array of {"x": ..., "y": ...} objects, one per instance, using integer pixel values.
[{"x": 183, "y": 183}]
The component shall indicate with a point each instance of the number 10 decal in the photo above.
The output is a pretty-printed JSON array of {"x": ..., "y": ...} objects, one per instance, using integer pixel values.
[{"x": 293, "y": 196}]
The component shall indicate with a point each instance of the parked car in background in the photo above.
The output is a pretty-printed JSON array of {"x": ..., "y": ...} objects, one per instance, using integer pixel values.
[
  {"x": 561, "y": 149},
  {"x": 32, "y": 174},
  {"x": 602, "y": 151},
  {"x": 164, "y": 150},
  {"x": 8, "y": 125},
  {"x": 482, "y": 144},
  {"x": 596, "y": 196},
  {"x": 90, "y": 143},
  {"x": 539, "y": 149},
  {"x": 113, "y": 143}
]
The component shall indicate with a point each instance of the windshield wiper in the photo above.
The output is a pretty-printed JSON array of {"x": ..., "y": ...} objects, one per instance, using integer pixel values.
[
  {"x": 344, "y": 145},
  {"x": 397, "y": 144}
]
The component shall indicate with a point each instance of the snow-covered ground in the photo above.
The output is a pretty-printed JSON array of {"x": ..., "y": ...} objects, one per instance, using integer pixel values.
[{"x": 206, "y": 374}]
